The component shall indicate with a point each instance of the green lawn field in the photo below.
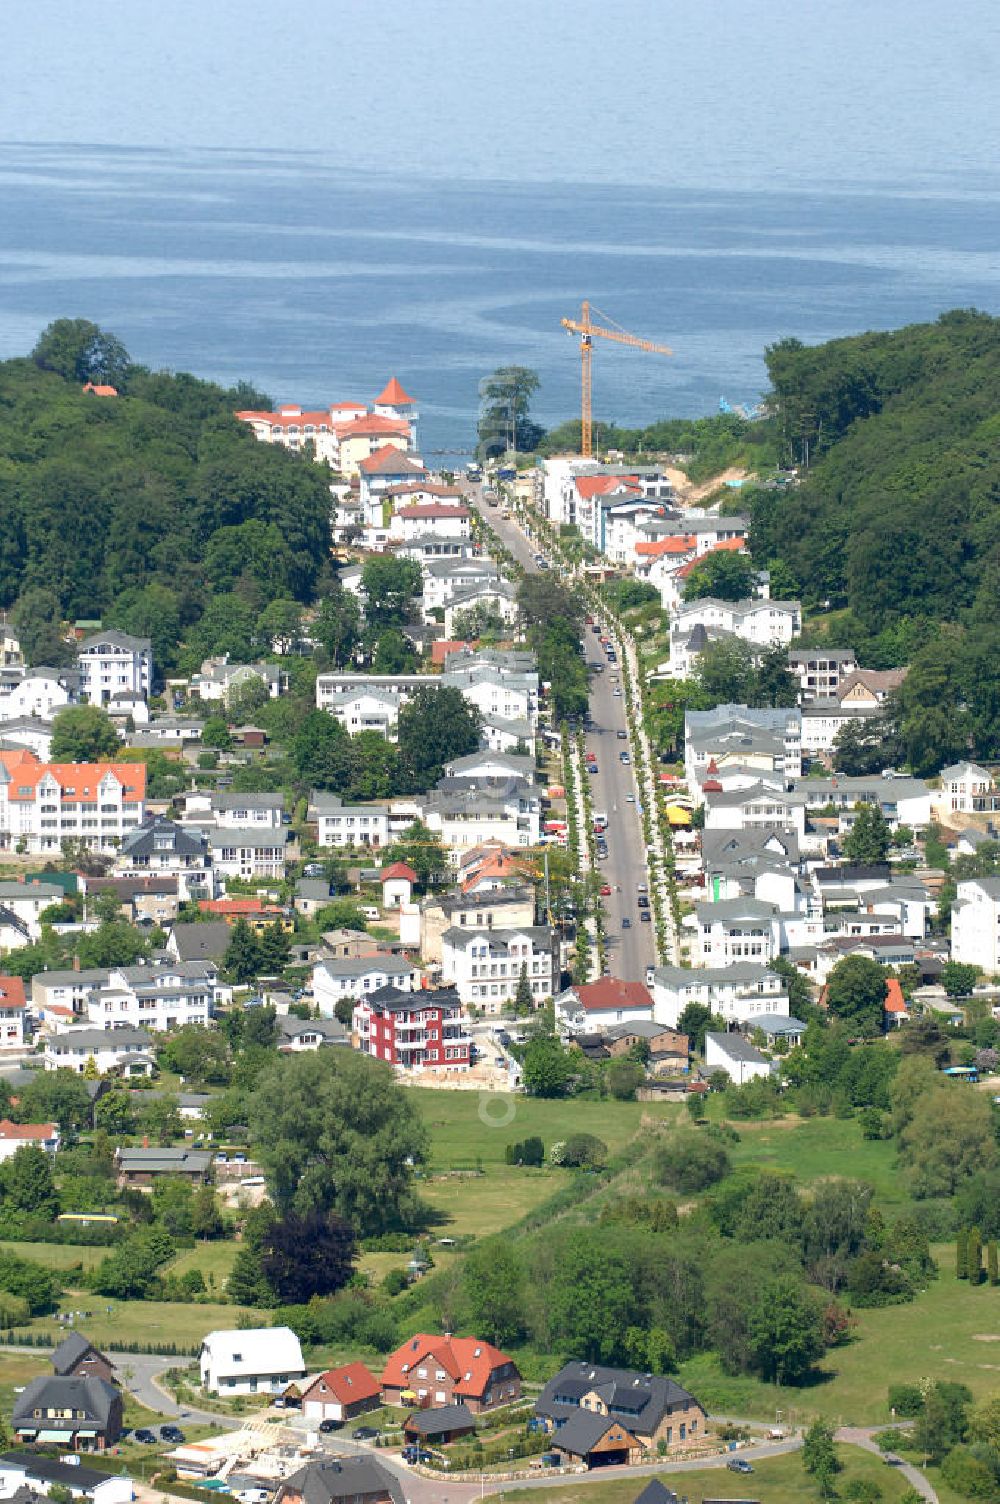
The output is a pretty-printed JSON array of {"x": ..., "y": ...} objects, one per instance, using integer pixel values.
[
  {"x": 215, "y": 1260},
  {"x": 149, "y": 1323},
  {"x": 467, "y": 1125},
  {"x": 775, "y": 1480},
  {"x": 950, "y": 1331},
  {"x": 809, "y": 1148},
  {"x": 58, "y": 1255}
]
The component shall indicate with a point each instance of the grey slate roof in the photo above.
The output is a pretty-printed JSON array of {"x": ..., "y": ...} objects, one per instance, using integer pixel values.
[
  {"x": 331, "y": 1030},
  {"x": 95, "y": 1397},
  {"x": 582, "y": 1430},
  {"x": 738, "y": 1048},
  {"x": 638, "y": 1401},
  {"x": 344, "y": 1481},
  {"x": 48, "y": 1470},
  {"x": 70, "y": 1350},
  {"x": 102, "y": 1039},
  {"x": 165, "y": 1161},
  {"x": 775, "y": 1024},
  {"x": 435, "y": 1421},
  {"x": 202, "y": 942},
  {"x": 655, "y": 1492}
]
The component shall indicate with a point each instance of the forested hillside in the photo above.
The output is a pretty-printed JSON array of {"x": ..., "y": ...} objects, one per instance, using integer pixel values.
[
  {"x": 895, "y": 526},
  {"x": 154, "y": 510}
]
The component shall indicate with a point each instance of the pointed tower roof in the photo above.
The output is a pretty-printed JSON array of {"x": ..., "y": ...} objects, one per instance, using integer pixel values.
[{"x": 393, "y": 395}]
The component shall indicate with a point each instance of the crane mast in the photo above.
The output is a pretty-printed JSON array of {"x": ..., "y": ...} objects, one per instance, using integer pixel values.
[{"x": 585, "y": 327}]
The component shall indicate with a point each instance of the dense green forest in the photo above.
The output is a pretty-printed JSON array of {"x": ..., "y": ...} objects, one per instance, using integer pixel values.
[{"x": 154, "y": 510}]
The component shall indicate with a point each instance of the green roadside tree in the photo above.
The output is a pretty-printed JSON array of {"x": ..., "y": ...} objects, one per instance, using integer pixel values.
[
  {"x": 505, "y": 412},
  {"x": 243, "y": 960},
  {"x": 958, "y": 978}
]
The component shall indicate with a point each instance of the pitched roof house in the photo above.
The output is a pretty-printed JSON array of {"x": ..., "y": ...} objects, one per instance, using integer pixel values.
[
  {"x": 80, "y": 1358},
  {"x": 341, "y": 1393},
  {"x": 348, "y": 1480},
  {"x": 79, "y": 1413},
  {"x": 651, "y": 1408},
  {"x": 449, "y": 1371}
]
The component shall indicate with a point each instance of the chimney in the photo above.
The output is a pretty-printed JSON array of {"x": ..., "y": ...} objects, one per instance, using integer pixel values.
[
  {"x": 76, "y": 963},
  {"x": 145, "y": 1140}
]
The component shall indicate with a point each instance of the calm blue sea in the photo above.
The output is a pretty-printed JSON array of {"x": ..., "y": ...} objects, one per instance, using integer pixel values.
[{"x": 317, "y": 283}]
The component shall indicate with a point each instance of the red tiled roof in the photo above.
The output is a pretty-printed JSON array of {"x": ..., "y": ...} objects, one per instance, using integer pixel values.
[
  {"x": 393, "y": 395},
  {"x": 442, "y": 646},
  {"x": 682, "y": 544},
  {"x": 610, "y": 992},
  {"x": 236, "y": 906},
  {"x": 389, "y": 460},
  {"x": 11, "y": 992},
  {"x": 432, "y": 509},
  {"x": 76, "y": 780},
  {"x": 467, "y": 1361},
  {"x": 373, "y": 423},
  {"x": 283, "y": 419},
  {"x": 895, "y": 1002},
  {"x": 101, "y": 391},
  {"x": 348, "y": 1384},
  {"x": 9, "y": 1130},
  {"x": 424, "y": 488},
  {"x": 600, "y": 485},
  {"x": 397, "y": 869}
]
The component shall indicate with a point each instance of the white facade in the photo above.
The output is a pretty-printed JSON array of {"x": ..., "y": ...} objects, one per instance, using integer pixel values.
[
  {"x": 260, "y": 1360},
  {"x": 350, "y": 976},
  {"x": 485, "y": 964},
  {"x": 27, "y": 902},
  {"x": 160, "y": 997},
  {"x": 821, "y": 671},
  {"x": 975, "y": 924},
  {"x": 962, "y": 785},
  {"x": 731, "y": 1053},
  {"x": 126, "y": 1050},
  {"x": 761, "y": 622},
  {"x": 34, "y": 695},
  {"x": 44, "y": 804},
  {"x": 14, "y": 1136},
  {"x": 903, "y": 801},
  {"x": 113, "y": 663},
  {"x": 340, "y": 824},
  {"x": 737, "y": 929},
  {"x": 735, "y": 993},
  {"x": 823, "y": 718}
]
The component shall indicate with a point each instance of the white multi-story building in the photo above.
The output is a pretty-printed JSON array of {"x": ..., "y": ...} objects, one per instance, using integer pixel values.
[
  {"x": 440, "y": 518},
  {"x": 485, "y": 965},
  {"x": 822, "y": 720},
  {"x": 126, "y": 1051},
  {"x": 758, "y": 805},
  {"x": 903, "y": 801},
  {"x": 353, "y": 976},
  {"x": 763, "y": 623},
  {"x": 821, "y": 671},
  {"x": 443, "y": 577},
  {"x": 345, "y": 433},
  {"x": 367, "y": 710},
  {"x": 245, "y": 853},
  {"x": 710, "y": 733},
  {"x": 498, "y": 597},
  {"x": 219, "y": 679},
  {"x": 735, "y": 993},
  {"x": 44, "y": 804},
  {"x": 161, "y": 997},
  {"x": 966, "y": 789},
  {"x": 113, "y": 663},
  {"x": 737, "y": 929},
  {"x": 340, "y": 824},
  {"x": 37, "y": 694},
  {"x": 975, "y": 924},
  {"x": 27, "y": 901},
  {"x": 163, "y": 848},
  {"x": 12, "y": 1006}
]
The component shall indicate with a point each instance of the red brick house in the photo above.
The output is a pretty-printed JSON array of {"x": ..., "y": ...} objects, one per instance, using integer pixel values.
[
  {"x": 433, "y": 1371},
  {"x": 341, "y": 1393}
]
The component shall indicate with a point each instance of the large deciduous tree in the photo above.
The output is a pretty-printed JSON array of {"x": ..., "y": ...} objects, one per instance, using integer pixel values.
[
  {"x": 726, "y": 575},
  {"x": 81, "y": 351},
  {"x": 437, "y": 725},
  {"x": 83, "y": 733},
  {"x": 390, "y": 586},
  {"x": 856, "y": 992},
  {"x": 869, "y": 838},
  {"x": 306, "y": 1256},
  {"x": 336, "y": 1133}
]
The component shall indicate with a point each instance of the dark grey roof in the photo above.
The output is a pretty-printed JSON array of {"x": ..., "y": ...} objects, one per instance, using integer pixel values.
[
  {"x": 349, "y": 1478},
  {"x": 638, "y": 1401},
  {"x": 141, "y": 841},
  {"x": 655, "y": 1492},
  {"x": 434, "y": 1422},
  {"x": 581, "y": 1431},
  {"x": 737, "y": 1048},
  {"x": 329, "y": 1029},
  {"x": 70, "y": 1350},
  {"x": 48, "y": 1470},
  {"x": 95, "y": 1397},
  {"x": 202, "y": 942},
  {"x": 99, "y": 1039},
  {"x": 165, "y": 1161},
  {"x": 775, "y": 1023}
]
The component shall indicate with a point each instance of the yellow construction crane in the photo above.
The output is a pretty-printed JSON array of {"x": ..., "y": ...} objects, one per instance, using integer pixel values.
[{"x": 586, "y": 329}]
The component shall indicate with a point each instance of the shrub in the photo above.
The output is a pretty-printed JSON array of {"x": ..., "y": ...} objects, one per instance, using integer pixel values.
[
  {"x": 906, "y": 1399},
  {"x": 968, "y": 1474},
  {"x": 689, "y": 1161},
  {"x": 584, "y": 1151}
]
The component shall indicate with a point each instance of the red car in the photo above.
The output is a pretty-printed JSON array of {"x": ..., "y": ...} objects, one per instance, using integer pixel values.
[{"x": 605, "y": 890}]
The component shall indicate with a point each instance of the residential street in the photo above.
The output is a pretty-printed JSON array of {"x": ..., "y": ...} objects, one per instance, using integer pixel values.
[{"x": 630, "y": 950}]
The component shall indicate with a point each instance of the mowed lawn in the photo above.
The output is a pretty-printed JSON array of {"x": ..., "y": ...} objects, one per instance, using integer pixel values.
[
  {"x": 148, "y": 1323},
  {"x": 470, "y": 1128},
  {"x": 466, "y": 1126},
  {"x": 951, "y": 1331},
  {"x": 775, "y": 1480},
  {"x": 811, "y": 1148},
  {"x": 58, "y": 1255},
  {"x": 214, "y": 1260}
]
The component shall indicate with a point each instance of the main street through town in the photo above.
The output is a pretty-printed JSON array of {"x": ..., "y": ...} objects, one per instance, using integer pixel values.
[{"x": 614, "y": 791}]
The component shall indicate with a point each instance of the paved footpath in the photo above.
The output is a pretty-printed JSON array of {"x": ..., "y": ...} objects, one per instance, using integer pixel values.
[{"x": 864, "y": 1437}]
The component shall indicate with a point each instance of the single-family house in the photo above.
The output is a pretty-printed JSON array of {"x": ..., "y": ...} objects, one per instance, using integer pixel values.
[
  {"x": 434, "y": 1370},
  {"x": 341, "y": 1393},
  {"x": 14, "y": 1136},
  {"x": 648, "y": 1407},
  {"x": 12, "y": 1008},
  {"x": 353, "y": 976},
  {"x": 138, "y": 1169},
  {"x": 28, "y": 1475},
  {"x": 77, "y": 1414},
  {"x": 602, "y": 1004},
  {"x": 259, "y": 1360},
  {"x": 733, "y": 1054},
  {"x": 77, "y": 1356},
  {"x": 344, "y": 1480}
]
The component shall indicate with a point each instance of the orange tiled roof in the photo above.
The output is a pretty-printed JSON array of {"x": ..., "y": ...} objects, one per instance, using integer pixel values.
[
  {"x": 431, "y": 509},
  {"x": 600, "y": 485},
  {"x": 76, "y": 780},
  {"x": 374, "y": 423},
  {"x": 895, "y": 1002},
  {"x": 10, "y": 1130},
  {"x": 348, "y": 1384},
  {"x": 389, "y": 459},
  {"x": 467, "y": 1361},
  {"x": 236, "y": 906},
  {"x": 12, "y": 992},
  {"x": 393, "y": 395},
  {"x": 681, "y": 544}
]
